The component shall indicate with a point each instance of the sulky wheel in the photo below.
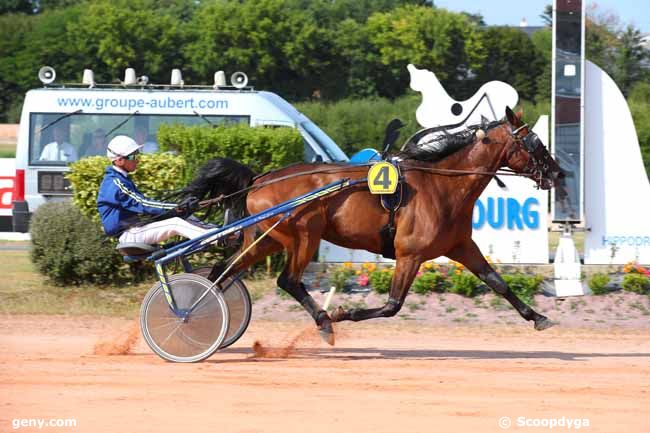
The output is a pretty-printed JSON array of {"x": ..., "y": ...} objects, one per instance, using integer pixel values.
[
  {"x": 239, "y": 305},
  {"x": 197, "y": 336}
]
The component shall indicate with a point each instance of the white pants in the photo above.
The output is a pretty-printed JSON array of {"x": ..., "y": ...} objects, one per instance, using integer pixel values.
[{"x": 160, "y": 231}]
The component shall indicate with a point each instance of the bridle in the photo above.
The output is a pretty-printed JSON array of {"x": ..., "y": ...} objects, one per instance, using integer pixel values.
[{"x": 540, "y": 160}]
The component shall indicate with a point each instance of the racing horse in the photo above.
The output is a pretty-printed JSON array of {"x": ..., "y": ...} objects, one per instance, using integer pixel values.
[{"x": 435, "y": 220}]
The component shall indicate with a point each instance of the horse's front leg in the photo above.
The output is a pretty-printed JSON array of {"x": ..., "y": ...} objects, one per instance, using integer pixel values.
[
  {"x": 405, "y": 271},
  {"x": 469, "y": 255}
]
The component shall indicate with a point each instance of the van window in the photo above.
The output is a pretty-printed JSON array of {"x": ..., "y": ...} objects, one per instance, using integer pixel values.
[
  {"x": 56, "y": 139},
  {"x": 326, "y": 144}
]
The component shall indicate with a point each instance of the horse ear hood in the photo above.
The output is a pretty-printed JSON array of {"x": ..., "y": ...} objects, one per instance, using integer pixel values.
[{"x": 510, "y": 115}]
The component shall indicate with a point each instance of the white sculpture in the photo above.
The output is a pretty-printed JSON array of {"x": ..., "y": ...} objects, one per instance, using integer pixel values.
[
  {"x": 438, "y": 108},
  {"x": 617, "y": 208}
]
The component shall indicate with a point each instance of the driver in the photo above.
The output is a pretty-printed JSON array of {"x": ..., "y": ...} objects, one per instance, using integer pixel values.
[{"x": 120, "y": 204}]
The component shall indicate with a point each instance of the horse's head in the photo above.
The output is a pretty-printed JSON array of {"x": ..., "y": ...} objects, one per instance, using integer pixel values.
[{"x": 526, "y": 154}]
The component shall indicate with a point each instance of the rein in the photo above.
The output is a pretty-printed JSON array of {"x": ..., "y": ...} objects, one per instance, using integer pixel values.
[
  {"x": 257, "y": 186},
  {"x": 454, "y": 172},
  {"x": 439, "y": 171}
]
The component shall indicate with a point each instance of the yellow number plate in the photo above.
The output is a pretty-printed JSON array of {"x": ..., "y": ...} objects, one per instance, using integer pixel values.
[{"x": 382, "y": 178}]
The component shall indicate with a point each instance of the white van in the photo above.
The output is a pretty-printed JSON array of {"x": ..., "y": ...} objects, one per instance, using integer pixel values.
[{"x": 62, "y": 123}]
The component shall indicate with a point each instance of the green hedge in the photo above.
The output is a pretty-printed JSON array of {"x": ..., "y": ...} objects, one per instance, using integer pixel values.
[
  {"x": 157, "y": 174},
  {"x": 70, "y": 248},
  {"x": 261, "y": 149},
  {"x": 639, "y": 102},
  {"x": 598, "y": 283},
  {"x": 429, "y": 282},
  {"x": 524, "y": 286},
  {"x": 355, "y": 124},
  {"x": 636, "y": 283},
  {"x": 452, "y": 279}
]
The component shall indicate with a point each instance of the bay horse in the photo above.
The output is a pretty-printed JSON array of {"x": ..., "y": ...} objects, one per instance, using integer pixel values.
[{"x": 435, "y": 220}]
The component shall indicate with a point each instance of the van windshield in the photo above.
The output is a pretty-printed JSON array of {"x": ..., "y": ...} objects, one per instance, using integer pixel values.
[
  {"x": 81, "y": 135},
  {"x": 326, "y": 144}
]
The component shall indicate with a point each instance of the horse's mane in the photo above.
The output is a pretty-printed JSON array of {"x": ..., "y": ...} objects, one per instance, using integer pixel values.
[{"x": 442, "y": 144}]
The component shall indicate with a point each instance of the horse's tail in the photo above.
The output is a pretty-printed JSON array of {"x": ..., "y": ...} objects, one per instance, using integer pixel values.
[{"x": 222, "y": 176}]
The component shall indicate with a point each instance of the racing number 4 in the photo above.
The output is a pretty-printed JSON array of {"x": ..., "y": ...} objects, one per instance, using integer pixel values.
[{"x": 382, "y": 178}]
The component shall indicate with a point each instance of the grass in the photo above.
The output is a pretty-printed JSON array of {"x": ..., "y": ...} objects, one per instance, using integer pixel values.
[
  {"x": 24, "y": 291},
  {"x": 258, "y": 287},
  {"x": 414, "y": 306},
  {"x": 498, "y": 304},
  {"x": 554, "y": 240},
  {"x": 639, "y": 306},
  {"x": 7, "y": 150},
  {"x": 351, "y": 305}
]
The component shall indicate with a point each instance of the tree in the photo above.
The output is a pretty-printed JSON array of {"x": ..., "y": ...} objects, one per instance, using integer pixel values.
[
  {"x": 33, "y": 6},
  {"x": 358, "y": 60},
  {"x": 15, "y": 26},
  {"x": 329, "y": 13},
  {"x": 629, "y": 59},
  {"x": 16, "y": 6},
  {"x": 543, "y": 42},
  {"x": 547, "y": 15},
  {"x": 30, "y": 43},
  {"x": 113, "y": 35},
  {"x": 277, "y": 46},
  {"x": 601, "y": 42},
  {"x": 444, "y": 42},
  {"x": 511, "y": 57},
  {"x": 475, "y": 18},
  {"x": 48, "y": 5}
]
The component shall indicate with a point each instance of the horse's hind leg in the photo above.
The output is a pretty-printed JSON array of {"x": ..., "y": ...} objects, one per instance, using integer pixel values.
[
  {"x": 469, "y": 255},
  {"x": 405, "y": 270}
]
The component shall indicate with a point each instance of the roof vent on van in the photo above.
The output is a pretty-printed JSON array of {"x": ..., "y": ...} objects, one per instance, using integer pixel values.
[
  {"x": 177, "y": 78},
  {"x": 219, "y": 79},
  {"x": 88, "y": 78},
  {"x": 129, "y": 77}
]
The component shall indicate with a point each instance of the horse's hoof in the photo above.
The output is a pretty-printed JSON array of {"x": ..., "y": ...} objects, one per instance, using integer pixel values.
[
  {"x": 338, "y": 314},
  {"x": 327, "y": 332},
  {"x": 543, "y": 323}
]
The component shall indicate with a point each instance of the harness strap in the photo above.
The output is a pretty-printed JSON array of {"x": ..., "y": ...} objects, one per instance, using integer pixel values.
[
  {"x": 292, "y": 175},
  {"x": 454, "y": 172},
  {"x": 387, "y": 234},
  {"x": 440, "y": 171}
]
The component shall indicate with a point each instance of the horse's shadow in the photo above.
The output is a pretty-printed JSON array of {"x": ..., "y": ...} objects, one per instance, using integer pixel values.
[{"x": 362, "y": 354}]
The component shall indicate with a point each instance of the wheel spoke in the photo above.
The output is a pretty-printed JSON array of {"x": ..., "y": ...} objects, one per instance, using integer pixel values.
[
  {"x": 171, "y": 333},
  {"x": 171, "y": 322}
]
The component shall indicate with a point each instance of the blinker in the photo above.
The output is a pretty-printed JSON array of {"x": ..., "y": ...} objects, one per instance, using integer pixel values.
[{"x": 531, "y": 142}]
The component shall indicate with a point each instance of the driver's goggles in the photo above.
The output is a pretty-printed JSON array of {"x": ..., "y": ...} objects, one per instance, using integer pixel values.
[{"x": 133, "y": 156}]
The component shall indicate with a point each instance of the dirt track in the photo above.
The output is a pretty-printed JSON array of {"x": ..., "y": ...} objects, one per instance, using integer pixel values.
[{"x": 388, "y": 376}]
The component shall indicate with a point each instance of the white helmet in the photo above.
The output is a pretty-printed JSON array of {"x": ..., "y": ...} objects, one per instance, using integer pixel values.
[{"x": 121, "y": 146}]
